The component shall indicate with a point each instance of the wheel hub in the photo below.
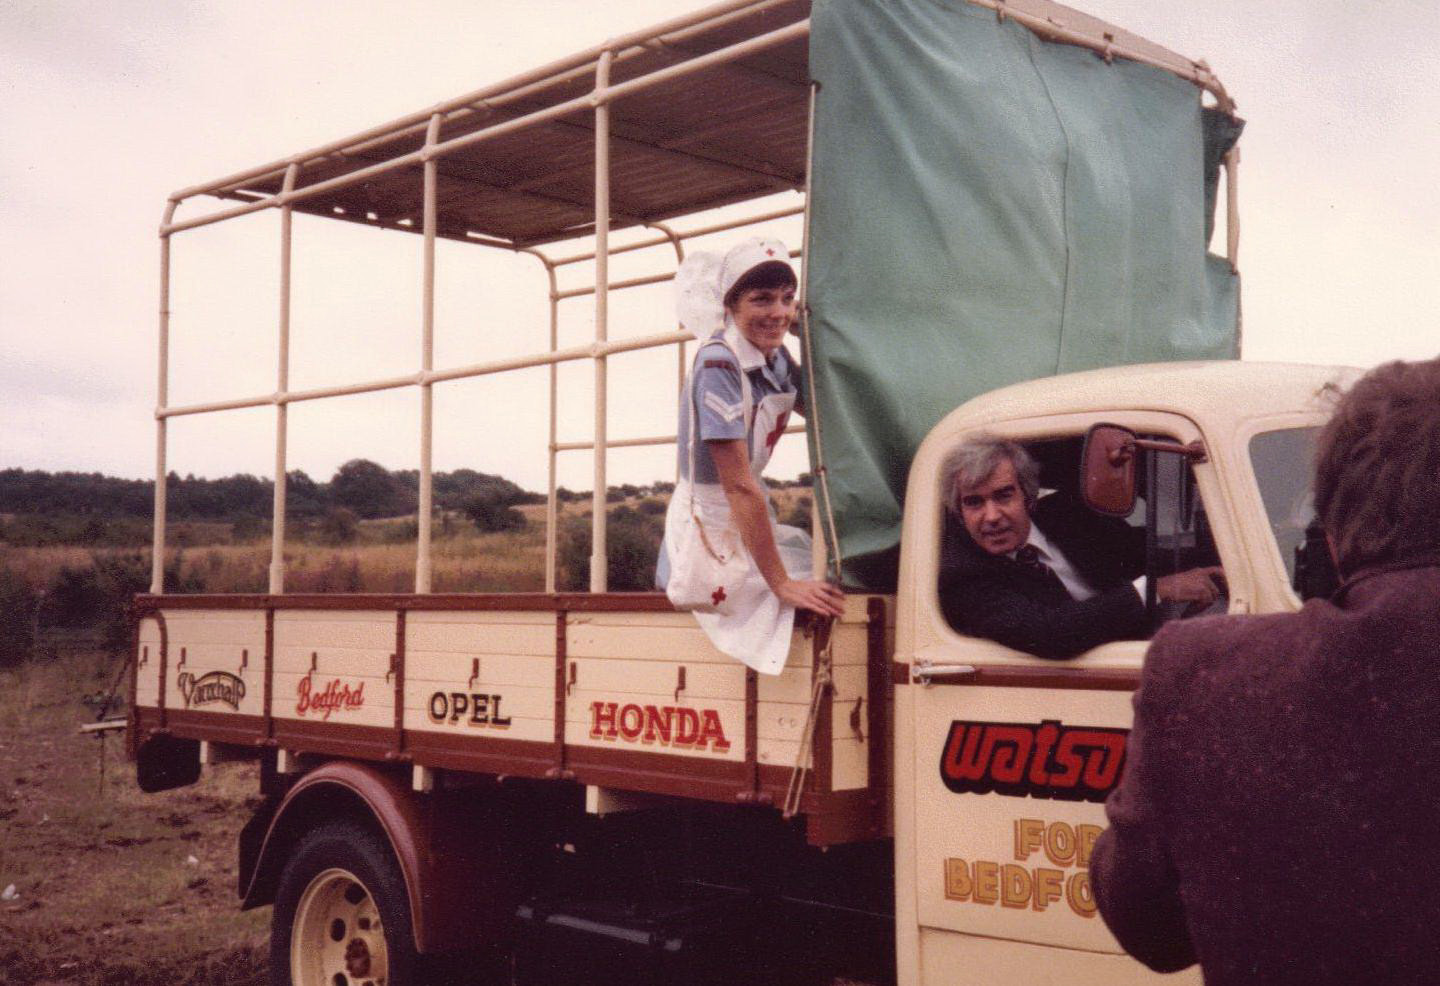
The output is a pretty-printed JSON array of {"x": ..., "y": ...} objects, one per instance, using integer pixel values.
[{"x": 337, "y": 938}]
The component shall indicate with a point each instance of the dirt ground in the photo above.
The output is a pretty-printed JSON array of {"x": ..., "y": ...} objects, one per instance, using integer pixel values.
[{"x": 112, "y": 886}]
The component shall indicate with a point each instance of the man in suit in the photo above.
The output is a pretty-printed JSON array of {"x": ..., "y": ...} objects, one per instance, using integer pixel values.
[
  {"x": 1275, "y": 820},
  {"x": 1050, "y": 577}
]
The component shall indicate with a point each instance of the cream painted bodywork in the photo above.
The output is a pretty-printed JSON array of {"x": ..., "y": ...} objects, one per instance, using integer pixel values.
[
  {"x": 951, "y": 941},
  {"x": 234, "y": 643},
  {"x": 639, "y": 658}
]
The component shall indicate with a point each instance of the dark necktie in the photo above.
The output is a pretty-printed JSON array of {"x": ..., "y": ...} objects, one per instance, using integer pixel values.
[{"x": 1028, "y": 558}]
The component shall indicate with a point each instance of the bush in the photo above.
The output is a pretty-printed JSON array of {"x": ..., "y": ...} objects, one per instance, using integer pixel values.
[
  {"x": 654, "y": 506},
  {"x": 339, "y": 526},
  {"x": 491, "y": 511},
  {"x": 17, "y": 618},
  {"x": 632, "y": 541},
  {"x": 799, "y": 514}
]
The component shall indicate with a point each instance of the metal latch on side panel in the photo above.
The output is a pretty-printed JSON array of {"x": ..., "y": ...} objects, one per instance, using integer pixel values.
[{"x": 927, "y": 673}]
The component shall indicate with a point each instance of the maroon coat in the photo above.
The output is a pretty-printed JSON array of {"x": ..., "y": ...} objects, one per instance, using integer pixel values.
[{"x": 1278, "y": 819}]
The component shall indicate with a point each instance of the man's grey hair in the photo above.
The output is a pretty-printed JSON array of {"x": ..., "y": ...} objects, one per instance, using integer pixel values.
[{"x": 973, "y": 461}]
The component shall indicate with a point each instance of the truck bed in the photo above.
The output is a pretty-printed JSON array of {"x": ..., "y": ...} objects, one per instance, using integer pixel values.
[{"x": 617, "y": 691}]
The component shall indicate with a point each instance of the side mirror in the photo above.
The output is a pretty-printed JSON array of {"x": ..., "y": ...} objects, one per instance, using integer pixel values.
[{"x": 1107, "y": 470}]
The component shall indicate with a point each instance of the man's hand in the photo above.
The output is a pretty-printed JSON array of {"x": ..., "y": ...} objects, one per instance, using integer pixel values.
[
  {"x": 1198, "y": 585},
  {"x": 818, "y": 597}
]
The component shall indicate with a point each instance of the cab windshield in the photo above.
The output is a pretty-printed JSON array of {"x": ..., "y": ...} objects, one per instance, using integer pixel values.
[{"x": 1284, "y": 462}]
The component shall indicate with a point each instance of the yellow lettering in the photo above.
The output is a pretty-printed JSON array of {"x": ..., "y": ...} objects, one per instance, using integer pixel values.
[
  {"x": 1078, "y": 895},
  {"x": 1015, "y": 886},
  {"x": 1048, "y": 887},
  {"x": 1029, "y": 835},
  {"x": 957, "y": 879},
  {"x": 1086, "y": 835},
  {"x": 987, "y": 881},
  {"x": 1060, "y": 844}
]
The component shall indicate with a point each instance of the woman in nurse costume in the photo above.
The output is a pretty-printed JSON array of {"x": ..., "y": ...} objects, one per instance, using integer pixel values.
[{"x": 737, "y": 400}]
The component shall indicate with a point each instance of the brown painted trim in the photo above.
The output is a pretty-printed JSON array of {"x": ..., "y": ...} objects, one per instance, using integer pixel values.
[
  {"x": 132, "y": 724},
  {"x": 341, "y": 739},
  {"x": 269, "y": 674},
  {"x": 899, "y": 673},
  {"x": 1070, "y": 679},
  {"x": 485, "y": 755},
  {"x": 658, "y": 773},
  {"x": 752, "y": 732},
  {"x": 559, "y": 769},
  {"x": 216, "y": 727},
  {"x": 147, "y": 721},
  {"x": 164, "y": 658},
  {"x": 846, "y": 816},
  {"x": 397, "y": 660},
  {"x": 580, "y": 602},
  {"x": 877, "y": 685},
  {"x": 822, "y": 747}
]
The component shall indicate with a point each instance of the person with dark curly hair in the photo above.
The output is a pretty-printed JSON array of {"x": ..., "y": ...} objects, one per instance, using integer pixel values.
[{"x": 1276, "y": 818}]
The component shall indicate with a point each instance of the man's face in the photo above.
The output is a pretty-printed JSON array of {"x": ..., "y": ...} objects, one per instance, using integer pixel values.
[{"x": 994, "y": 511}]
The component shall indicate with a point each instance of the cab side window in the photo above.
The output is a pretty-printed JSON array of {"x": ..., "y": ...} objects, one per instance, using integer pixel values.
[{"x": 1055, "y": 578}]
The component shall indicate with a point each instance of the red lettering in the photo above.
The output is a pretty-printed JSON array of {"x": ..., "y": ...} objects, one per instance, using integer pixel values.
[
  {"x": 335, "y": 696},
  {"x": 1044, "y": 742},
  {"x": 1043, "y": 760},
  {"x": 602, "y": 720},
  {"x": 658, "y": 722},
  {"x": 712, "y": 731},
  {"x": 961, "y": 760},
  {"x": 687, "y": 729},
  {"x": 632, "y": 722},
  {"x": 1102, "y": 767},
  {"x": 1069, "y": 762},
  {"x": 1011, "y": 752}
]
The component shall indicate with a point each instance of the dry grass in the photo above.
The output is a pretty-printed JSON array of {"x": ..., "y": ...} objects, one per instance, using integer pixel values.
[
  {"x": 381, "y": 559},
  {"x": 107, "y": 893}
]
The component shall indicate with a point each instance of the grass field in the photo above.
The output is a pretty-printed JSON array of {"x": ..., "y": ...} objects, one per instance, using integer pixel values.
[{"x": 112, "y": 887}]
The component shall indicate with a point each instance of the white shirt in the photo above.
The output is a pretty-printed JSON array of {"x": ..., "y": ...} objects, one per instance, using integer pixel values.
[{"x": 1079, "y": 589}]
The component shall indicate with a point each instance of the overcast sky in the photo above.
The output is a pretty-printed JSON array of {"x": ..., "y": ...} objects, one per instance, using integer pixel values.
[{"x": 107, "y": 108}]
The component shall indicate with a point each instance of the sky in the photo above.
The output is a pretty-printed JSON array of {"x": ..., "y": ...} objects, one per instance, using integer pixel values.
[{"x": 108, "y": 108}]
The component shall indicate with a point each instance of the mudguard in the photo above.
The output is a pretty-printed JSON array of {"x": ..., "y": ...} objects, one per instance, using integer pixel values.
[{"x": 461, "y": 879}]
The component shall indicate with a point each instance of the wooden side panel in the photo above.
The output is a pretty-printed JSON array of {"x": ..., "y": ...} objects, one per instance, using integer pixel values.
[
  {"x": 215, "y": 661},
  {"x": 480, "y": 674},
  {"x": 147, "y": 663},
  {"x": 334, "y": 667},
  {"x": 652, "y": 683}
]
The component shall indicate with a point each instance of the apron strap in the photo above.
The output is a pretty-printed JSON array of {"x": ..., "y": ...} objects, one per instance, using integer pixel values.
[{"x": 693, "y": 407}]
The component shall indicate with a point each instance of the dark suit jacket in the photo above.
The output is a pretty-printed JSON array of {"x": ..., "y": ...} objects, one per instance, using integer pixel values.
[
  {"x": 1278, "y": 817},
  {"x": 993, "y": 596}
]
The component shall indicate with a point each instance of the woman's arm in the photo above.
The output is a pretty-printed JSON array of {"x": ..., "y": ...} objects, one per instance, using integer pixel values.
[{"x": 752, "y": 519}]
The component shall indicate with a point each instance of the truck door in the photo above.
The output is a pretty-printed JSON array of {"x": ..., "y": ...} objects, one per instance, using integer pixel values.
[{"x": 1009, "y": 759}]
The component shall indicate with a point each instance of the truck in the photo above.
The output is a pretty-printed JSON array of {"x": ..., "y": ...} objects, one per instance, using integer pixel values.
[{"x": 555, "y": 786}]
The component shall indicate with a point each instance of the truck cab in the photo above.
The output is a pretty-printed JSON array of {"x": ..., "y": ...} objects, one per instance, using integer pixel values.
[{"x": 1003, "y": 759}]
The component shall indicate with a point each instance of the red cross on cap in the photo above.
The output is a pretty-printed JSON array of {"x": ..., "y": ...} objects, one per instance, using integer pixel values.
[
  {"x": 718, "y": 596},
  {"x": 769, "y": 252}
]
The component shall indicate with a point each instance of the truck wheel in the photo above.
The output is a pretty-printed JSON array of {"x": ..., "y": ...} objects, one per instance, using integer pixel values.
[{"x": 342, "y": 917}]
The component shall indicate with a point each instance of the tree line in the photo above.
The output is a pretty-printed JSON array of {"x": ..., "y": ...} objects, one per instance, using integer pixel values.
[{"x": 41, "y": 507}]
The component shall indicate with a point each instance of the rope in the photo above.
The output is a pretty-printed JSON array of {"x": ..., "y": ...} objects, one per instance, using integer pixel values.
[
  {"x": 812, "y": 405},
  {"x": 823, "y": 663}
]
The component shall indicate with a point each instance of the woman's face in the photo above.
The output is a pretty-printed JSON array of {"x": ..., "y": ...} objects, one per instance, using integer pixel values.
[{"x": 764, "y": 315}]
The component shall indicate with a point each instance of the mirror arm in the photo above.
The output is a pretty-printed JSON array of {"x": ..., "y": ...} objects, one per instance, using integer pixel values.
[{"x": 1195, "y": 451}]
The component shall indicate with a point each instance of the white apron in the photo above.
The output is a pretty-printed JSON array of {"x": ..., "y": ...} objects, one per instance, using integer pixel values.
[{"x": 756, "y": 630}]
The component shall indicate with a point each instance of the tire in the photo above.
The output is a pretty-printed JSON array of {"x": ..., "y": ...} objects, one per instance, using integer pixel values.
[{"x": 342, "y": 914}]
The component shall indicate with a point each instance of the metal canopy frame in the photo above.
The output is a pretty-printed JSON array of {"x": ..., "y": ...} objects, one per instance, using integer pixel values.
[{"x": 626, "y": 134}]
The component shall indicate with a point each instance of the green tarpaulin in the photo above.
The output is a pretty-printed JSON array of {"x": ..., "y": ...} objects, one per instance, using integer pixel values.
[{"x": 988, "y": 207}]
